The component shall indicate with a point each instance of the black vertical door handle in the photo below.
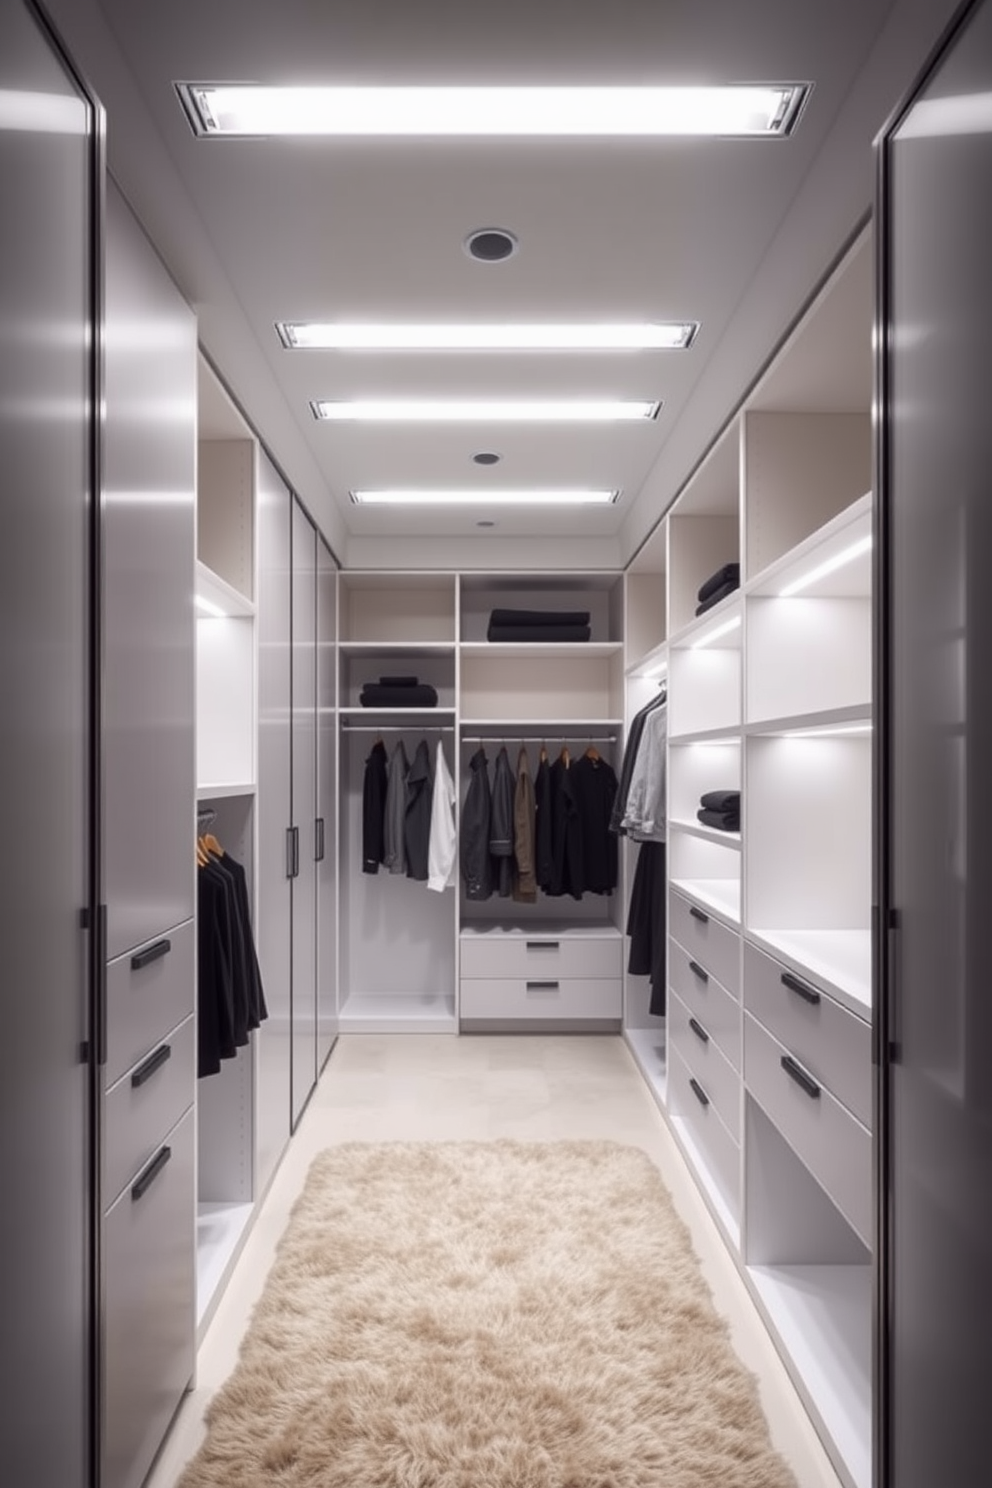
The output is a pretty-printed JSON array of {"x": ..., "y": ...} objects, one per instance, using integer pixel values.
[{"x": 318, "y": 850}]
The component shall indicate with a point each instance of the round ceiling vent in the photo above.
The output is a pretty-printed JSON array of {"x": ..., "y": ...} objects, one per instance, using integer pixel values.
[
  {"x": 487, "y": 457},
  {"x": 490, "y": 244}
]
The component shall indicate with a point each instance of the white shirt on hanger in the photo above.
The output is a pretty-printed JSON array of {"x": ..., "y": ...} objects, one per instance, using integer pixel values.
[{"x": 443, "y": 837}]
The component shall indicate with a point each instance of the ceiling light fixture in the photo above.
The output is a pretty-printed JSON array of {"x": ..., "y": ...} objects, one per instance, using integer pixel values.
[
  {"x": 500, "y": 336},
  {"x": 239, "y": 109},
  {"x": 490, "y": 244},
  {"x": 414, "y": 497},
  {"x": 489, "y": 410}
]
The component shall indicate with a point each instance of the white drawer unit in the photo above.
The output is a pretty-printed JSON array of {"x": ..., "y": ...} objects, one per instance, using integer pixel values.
[
  {"x": 722, "y": 1083},
  {"x": 707, "y": 1000},
  {"x": 832, "y": 1043},
  {"x": 541, "y": 997},
  {"x": 708, "y": 940},
  {"x": 501, "y": 953},
  {"x": 147, "y": 1102},
  {"x": 689, "y": 1102},
  {"x": 833, "y": 1144},
  {"x": 149, "y": 991}
]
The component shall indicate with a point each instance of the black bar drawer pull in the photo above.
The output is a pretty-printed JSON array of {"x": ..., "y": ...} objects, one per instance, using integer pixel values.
[
  {"x": 808, "y": 994},
  {"x": 144, "y": 1181},
  {"x": 698, "y": 971},
  {"x": 699, "y": 1030},
  {"x": 543, "y": 986},
  {"x": 699, "y": 1092},
  {"x": 150, "y": 953},
  {"x": 543, "y": 945},
  {"x": 802, "y": 1079},
  {"x": 318, "y": 851},
  {"x": 155, "y": 1061},
  {"x": 697, "y": 914}
]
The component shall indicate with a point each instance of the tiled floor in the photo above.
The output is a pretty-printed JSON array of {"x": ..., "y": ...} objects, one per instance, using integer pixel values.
[{"x": 381, "y": 1088}]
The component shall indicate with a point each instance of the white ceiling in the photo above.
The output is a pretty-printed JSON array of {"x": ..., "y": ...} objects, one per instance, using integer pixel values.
[{"x": 735, "y": 234}]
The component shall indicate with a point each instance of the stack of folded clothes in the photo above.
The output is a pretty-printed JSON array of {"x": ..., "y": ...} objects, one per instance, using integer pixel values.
[
  {"x": 538, "y": 625},
  {"x": 398, "y": 692},
  {"x": 718, "y": 586},
  {"x": 721, "y": 809}
]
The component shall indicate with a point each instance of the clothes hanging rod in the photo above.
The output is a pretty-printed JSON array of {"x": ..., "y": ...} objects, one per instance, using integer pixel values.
[
  {"x": 398, "y": 728},
  {"x": 552, "y": 734}
]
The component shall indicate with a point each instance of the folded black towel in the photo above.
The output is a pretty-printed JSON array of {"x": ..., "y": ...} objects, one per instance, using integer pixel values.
[
  {"x": 724, "y": 821},
  {"x": 398, "y": 681},
  {"x": 729, "y": 573},
  {"x": 539, "y": 617},
  {"x": 377, "y": 696},
  {"x": 722, "y": 800},
  {"x": 538, "y": 633},
  {"x": 716, "y": 596}
]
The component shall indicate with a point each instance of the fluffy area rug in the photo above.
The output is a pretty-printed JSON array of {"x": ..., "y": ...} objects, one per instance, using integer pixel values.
[{"x": 486, "y": 1315}]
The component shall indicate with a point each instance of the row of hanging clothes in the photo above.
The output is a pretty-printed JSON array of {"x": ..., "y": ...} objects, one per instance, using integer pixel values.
[
  {"x": 408, "y": 823},
  {"x": 527, "y": 832},
  {"x": 230, "y": 998},
  {"x": 639, "y": 813}
]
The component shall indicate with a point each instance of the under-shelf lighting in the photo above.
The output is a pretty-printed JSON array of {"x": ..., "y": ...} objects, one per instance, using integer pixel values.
[
  {"x": 496, "y": 336},
  {"x": 716, "y": 633},
  {"x": 829, "y": 566},
  {"x": 491, "y": 410},
  {"x": 413, "y": 497},
  {"x": 827, "y": 731},
  {"x": 739, "y": 109},
  {"x": 209, "y": 608}
]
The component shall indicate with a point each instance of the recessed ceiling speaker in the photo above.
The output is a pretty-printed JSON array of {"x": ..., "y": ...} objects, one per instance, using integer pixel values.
[
  {"x": 487, "y": 457},
  {"x": 490, "y": 244}
]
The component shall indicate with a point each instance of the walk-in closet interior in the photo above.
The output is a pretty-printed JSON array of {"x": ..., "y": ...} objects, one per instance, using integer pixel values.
[{"x": 699, "y": 768}]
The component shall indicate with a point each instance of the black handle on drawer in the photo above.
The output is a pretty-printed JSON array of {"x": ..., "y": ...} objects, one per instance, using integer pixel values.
[
  {"x": 699, "y": 1030},
  {"x": 150, "y": 953},
  {"x": 543, "y": 945},
  {"x": 543, "y": 986},
  {"x": 697, "y": 914},
  {"x": 698, "y": 971},
  {"x": 802, "y": 1079},
  {"x": 699, "y": 1092},
  {"x": 808, "y": 994},
  {"x": 155, "y": 1061},
  {"x": 144, "y": 1181},
  {"x": 318, "y": 850}
]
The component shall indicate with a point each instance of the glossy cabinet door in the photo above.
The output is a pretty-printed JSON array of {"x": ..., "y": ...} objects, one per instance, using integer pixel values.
[
  {"x": 48, "y": 400},
  {"x": 935, "y": 1123},
  {"x": 274, "y": 930},
  {"x": 304, "y": 814},
  {"x": 327, "y": 1019}
]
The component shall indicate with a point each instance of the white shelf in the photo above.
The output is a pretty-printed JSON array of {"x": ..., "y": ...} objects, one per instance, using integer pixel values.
[
  {"x": 701, "y": 1171},
  {"x": 818, "y": 724},
  {"x": 840, "y": 960},
  {"x": 649, "y": 1047},
  {"x": 547, "y": 650},
  {"x": 398, "y": 1012},
  {"x": 225, "y": 791},
  {"x": 396, "y": 648},
  {"x": 711, "y": 834},
  {"x": 219, "y": 1231},
  {"x": 652, "y": 666},
  {"x": 729, "y": 735},
  {"x": 218, "y": 592},
  {"x": 694, "y": 634},
  {"x": 545, "y": 728},
  {"x": 852, "y": 580},
  {"x": 822, "y": 1315},
  {"x": 384, "y": 715},
  {"x": 592, "y": 930},
  {"x": 720, "y": 894}
]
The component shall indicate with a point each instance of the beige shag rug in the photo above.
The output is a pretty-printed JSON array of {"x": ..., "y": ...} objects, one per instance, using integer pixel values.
[{"x": 486, "y": 1315}]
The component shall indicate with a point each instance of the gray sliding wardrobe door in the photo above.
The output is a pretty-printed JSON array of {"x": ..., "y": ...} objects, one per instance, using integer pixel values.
[
  {"x": 327, "y": 736},
  {"x": 304, "y": 548}
]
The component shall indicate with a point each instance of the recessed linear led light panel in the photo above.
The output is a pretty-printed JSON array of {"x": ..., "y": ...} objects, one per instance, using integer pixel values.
[
  {"x": 738, "y": 109},
  {"x": 467, "y": 411},
  {"x": 413, "y": 497},
  {"x": 595, "y": 336}
]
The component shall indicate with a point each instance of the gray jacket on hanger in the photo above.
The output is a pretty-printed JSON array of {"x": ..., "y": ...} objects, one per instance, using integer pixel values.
[
  {"x": 419, "y": 801},
  {"x": 394, "y": 856}
]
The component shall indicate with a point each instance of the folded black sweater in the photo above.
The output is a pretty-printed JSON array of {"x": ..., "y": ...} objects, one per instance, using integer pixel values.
[
  {"x": 717, "y": 595},
  {"x": 374, "y": 695},
  {"x": 538, "y": 633},
  {"x": 539, "y": 617},
  {"x": 721, "y": 800},
  {"x": 729, "y": 573},
  {"x": 724, "y": 821}
]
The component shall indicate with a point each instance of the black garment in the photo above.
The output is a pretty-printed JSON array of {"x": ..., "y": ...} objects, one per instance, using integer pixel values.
[
  {"x": 629, "y": 759},
  {"x": 562, "y": 814},
  {"x": 721, "y": 800},
  {"x": 417, "y": 819},
  {"x": 374, "y": 809},
  {"x": 646, "y": 923},
  {"x": 716, "y": 596},
  {"x": 724, "y": 821},
  {"x": 539, "y": 617},
  {"x": 474, "y": 857},
  {"x": 593, "y": 854},
  {"x": 374, "y": 695},
  {"x": 538, "y": 633},
  {"x": 215, "y": 988},
  {"x": 730, "y": 573},
  {"x": 501, "y": 824},
  {"x": 257, "y": 1011},
  {"x": 543, "y": 850},
  {"x": 396, "y": 682}
]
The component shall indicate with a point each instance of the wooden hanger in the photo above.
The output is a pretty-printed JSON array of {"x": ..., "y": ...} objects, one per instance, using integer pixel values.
[
  {"x": 565, "y": 757},
  {"x": 592, "y": 753},
  {"x": 210, "y": 844},
  {"x": 202, "y": 856},
  {"x": 544, "y": 752}
]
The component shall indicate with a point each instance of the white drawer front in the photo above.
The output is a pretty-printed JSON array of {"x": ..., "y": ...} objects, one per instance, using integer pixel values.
[
  {"x": 145, "y": 1104},
  {"x": 690, "y": 1037},
  {"x": 149, "y": 991},
  {"x": 540, "y": 997},
  {"x": 826, "y": 1137},
  {"x": 709, "y": 1135},
  {"x": 498, "y": 954},
  {"x": 832, "y": 1043},
  {"x": 707, "y": 1000},
  {"x": 713, "y": 944}
]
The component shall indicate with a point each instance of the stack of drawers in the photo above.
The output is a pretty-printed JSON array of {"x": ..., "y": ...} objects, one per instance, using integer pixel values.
[
  {"x": 704, "y": 1039},
  {"x": 513, "y": 976},
  {"x": 149, "y": 1184},
  {"x": 807, "y": 1063}
]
